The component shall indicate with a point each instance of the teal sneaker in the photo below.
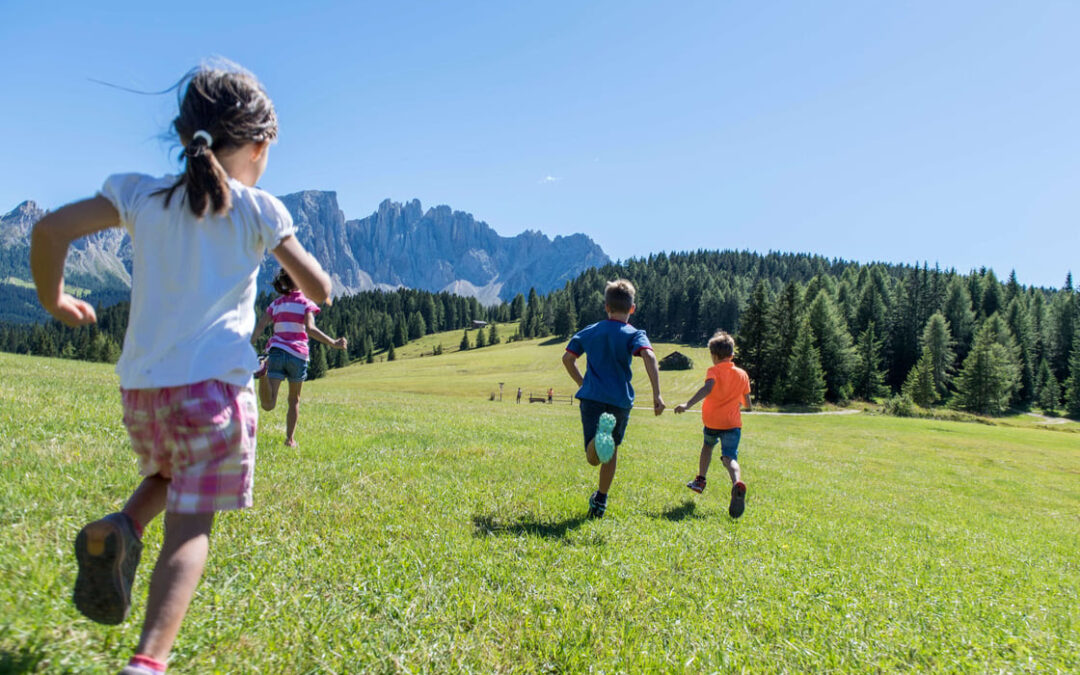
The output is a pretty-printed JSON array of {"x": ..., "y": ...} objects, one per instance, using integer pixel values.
[
  {"x": 597, "y": 506},
  {"x": 108, "y": 552},
  {"x": 603, "y": 441}
]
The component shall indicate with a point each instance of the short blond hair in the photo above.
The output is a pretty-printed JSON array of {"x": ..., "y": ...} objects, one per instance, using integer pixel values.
[
  {"x": 619, "y": 295},
  {"x": 722, "y": 345}
]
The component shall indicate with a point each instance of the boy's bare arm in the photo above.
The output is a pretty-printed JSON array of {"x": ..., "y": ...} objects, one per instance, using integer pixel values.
[
  {"x": 699, "y": 395},
  {"x": 569, "y": 361},
  {"x": 653, "y": 371},
  {"x": 748, "y": 403}
]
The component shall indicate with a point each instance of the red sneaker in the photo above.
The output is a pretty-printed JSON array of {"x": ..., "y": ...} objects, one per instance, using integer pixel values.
[{"x": 738, "y": 500}]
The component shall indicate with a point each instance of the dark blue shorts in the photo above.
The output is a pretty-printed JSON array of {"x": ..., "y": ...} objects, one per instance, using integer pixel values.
[
  {"x": 728, "y": 439},
  {"x": 284, "y": 366},
  {"x": 590, "y": 417}
]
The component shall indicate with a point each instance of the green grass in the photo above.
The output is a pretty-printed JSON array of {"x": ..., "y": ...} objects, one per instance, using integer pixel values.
[
  {"x": 23, "y": 283},
  {"x": 420, "y": 527}
]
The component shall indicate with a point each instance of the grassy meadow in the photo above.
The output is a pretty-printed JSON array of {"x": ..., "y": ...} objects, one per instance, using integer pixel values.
[{"x": 420, "y": 527}]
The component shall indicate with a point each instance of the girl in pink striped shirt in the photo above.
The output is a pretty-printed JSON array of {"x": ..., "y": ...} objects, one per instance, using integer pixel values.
[{"x": 293, "y": 316}]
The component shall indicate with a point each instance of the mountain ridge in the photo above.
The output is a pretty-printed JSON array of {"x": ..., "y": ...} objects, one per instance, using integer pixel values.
[{"x": 398, "y": 244}]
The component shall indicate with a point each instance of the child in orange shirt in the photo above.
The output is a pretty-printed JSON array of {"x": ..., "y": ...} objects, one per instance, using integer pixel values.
[{"x": 726, "y": 388}]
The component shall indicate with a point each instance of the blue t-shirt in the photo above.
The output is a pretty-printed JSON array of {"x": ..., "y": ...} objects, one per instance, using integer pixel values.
[{"x": 611, "y": 346}]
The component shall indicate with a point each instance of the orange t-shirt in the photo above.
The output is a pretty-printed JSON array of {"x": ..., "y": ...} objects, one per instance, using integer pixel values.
[{"x": 721, "y": 408}]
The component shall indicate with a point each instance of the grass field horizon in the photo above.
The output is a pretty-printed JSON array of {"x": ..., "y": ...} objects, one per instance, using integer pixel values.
[{"x": 420, "y": 527}]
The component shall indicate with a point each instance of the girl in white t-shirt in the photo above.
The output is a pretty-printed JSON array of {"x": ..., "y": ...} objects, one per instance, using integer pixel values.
[{"x": 185, "y": 371}]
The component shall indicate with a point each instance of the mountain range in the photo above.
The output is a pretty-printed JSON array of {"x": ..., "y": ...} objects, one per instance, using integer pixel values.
[{"x": 398, "y": 245}]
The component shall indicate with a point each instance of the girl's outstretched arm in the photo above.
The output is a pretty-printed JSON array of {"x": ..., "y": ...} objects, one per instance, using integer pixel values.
[
  {"x": 48, "y": 249},
  {"x": 304, "y": 269},
  {"x": 313, "y": 331}
]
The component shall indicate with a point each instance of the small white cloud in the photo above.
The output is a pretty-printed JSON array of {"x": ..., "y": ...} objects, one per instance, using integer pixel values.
[{"x": 549, "y": 179}]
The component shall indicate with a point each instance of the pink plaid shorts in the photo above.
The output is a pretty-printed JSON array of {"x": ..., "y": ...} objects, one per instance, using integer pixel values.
[{"x": 201, "y": 436}]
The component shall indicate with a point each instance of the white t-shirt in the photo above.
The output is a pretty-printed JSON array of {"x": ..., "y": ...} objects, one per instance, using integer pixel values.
[{"x": 192, "y": 281}]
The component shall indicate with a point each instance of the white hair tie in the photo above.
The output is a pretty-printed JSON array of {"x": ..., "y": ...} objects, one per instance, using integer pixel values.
[{"x": 205, "y": 135}]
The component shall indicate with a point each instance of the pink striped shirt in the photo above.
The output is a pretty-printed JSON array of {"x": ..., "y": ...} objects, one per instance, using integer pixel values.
[{"x": 290, "y": 332}]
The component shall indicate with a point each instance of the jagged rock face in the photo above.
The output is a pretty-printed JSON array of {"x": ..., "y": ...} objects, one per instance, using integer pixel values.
[
  {"x": 15, "y": 226},
  {"x": 441, "y": 249},
  {"x": 398, "y": 245}
]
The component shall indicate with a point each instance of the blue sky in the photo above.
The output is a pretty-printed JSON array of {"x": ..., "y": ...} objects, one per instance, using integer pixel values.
[{"x": 905, "y": 132}]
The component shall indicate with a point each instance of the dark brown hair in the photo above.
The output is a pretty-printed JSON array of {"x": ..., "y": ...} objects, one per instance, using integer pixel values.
[
  {"x": 231, "y": 105},
  {"x": 619, "y": 296},
  {"x": 722, "y": 345},
  {"x": 283, "y": 283}
]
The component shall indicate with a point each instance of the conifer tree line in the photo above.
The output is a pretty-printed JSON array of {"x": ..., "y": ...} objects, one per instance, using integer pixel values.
[{"x": 808, "y": 329}]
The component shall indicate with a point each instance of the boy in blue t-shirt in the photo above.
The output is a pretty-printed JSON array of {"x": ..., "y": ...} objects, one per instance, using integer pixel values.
[{"x": 605, "y": 392}]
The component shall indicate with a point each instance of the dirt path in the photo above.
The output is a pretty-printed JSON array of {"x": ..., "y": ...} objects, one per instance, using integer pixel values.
[{"x": 1047, "y": 420}]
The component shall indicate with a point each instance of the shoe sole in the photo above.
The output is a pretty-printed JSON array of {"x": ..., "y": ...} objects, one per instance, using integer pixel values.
[
  {"x": 695, "y": 489},
  {"x": 603, "y": 441},
  {"x": 738, "y": 502},
  {"x": 101, "y": 593}
]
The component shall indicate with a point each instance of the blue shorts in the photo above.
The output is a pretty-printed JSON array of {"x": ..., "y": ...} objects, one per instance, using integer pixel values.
[
  {"x": 282, "y": 365},
  {"x": 728, "y": 439},
  {"x": 590, "y": 417}
]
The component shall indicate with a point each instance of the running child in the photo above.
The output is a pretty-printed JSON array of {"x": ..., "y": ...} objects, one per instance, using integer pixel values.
[
  {"x": 726, "y": 389},
  {"x": 605, "y": 393},
  {"x": 293, "y": 316},
  {"x": 185, "y": 370}
]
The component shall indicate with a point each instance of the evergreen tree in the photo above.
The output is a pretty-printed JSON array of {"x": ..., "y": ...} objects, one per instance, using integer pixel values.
[
  {"x": 1072, "y": 385},
  {"x": 784, "y": 324},
  {"x": 1019, "y": 322},
  {"x": 959, "y": 314},
  {"x": 417, "y": 326},
  {"x": 401, "y": 332},
  {"x": 1063, "y": 328},
  {"x": 493, "y": 335},
  {"x": 391, "y": 353},
  {"x": 920, "y": 385},
  {"x": 754, "y": 338},
  {"x": 834, "y": 344},
  {"x": 1047, "y": 389},
  {"x": 938, "y": 344},
  {"x": 565, "y": 323},
  {"x": 990, "y": 374},
  {"x": 517, "y": 307},
  {"x": 317, "y": 365},
  {"x": 481, "y": 341},
  {"x": 868, "y": 379},
  {"x": 805, "y": 381},
  {"x": 341, "y": 358},
  {"x": 464, "y": 346},
  {"x": 992, "y": 300}
]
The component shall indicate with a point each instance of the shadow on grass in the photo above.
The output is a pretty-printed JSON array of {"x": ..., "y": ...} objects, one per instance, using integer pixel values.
[
  {"x": 554, "y": 341},
  {"x": 688, "y": 509},
  {"x": 25, "y": 659},
  {"x": 487, "y": 526}
]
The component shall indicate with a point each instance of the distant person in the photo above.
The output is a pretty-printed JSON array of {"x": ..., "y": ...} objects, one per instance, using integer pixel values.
[
  {"x": 551, "y": 394},
  {"x": 519, "y": 395},
  {"x": 605, "y": 392},
  {"x": 726, "y": 389},
  {"x": 185, "y": 370},
  {"x": 293, "y": 316}
]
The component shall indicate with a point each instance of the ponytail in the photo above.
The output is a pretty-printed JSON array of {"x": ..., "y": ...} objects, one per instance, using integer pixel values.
[{"x": 205, "y": 179}]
